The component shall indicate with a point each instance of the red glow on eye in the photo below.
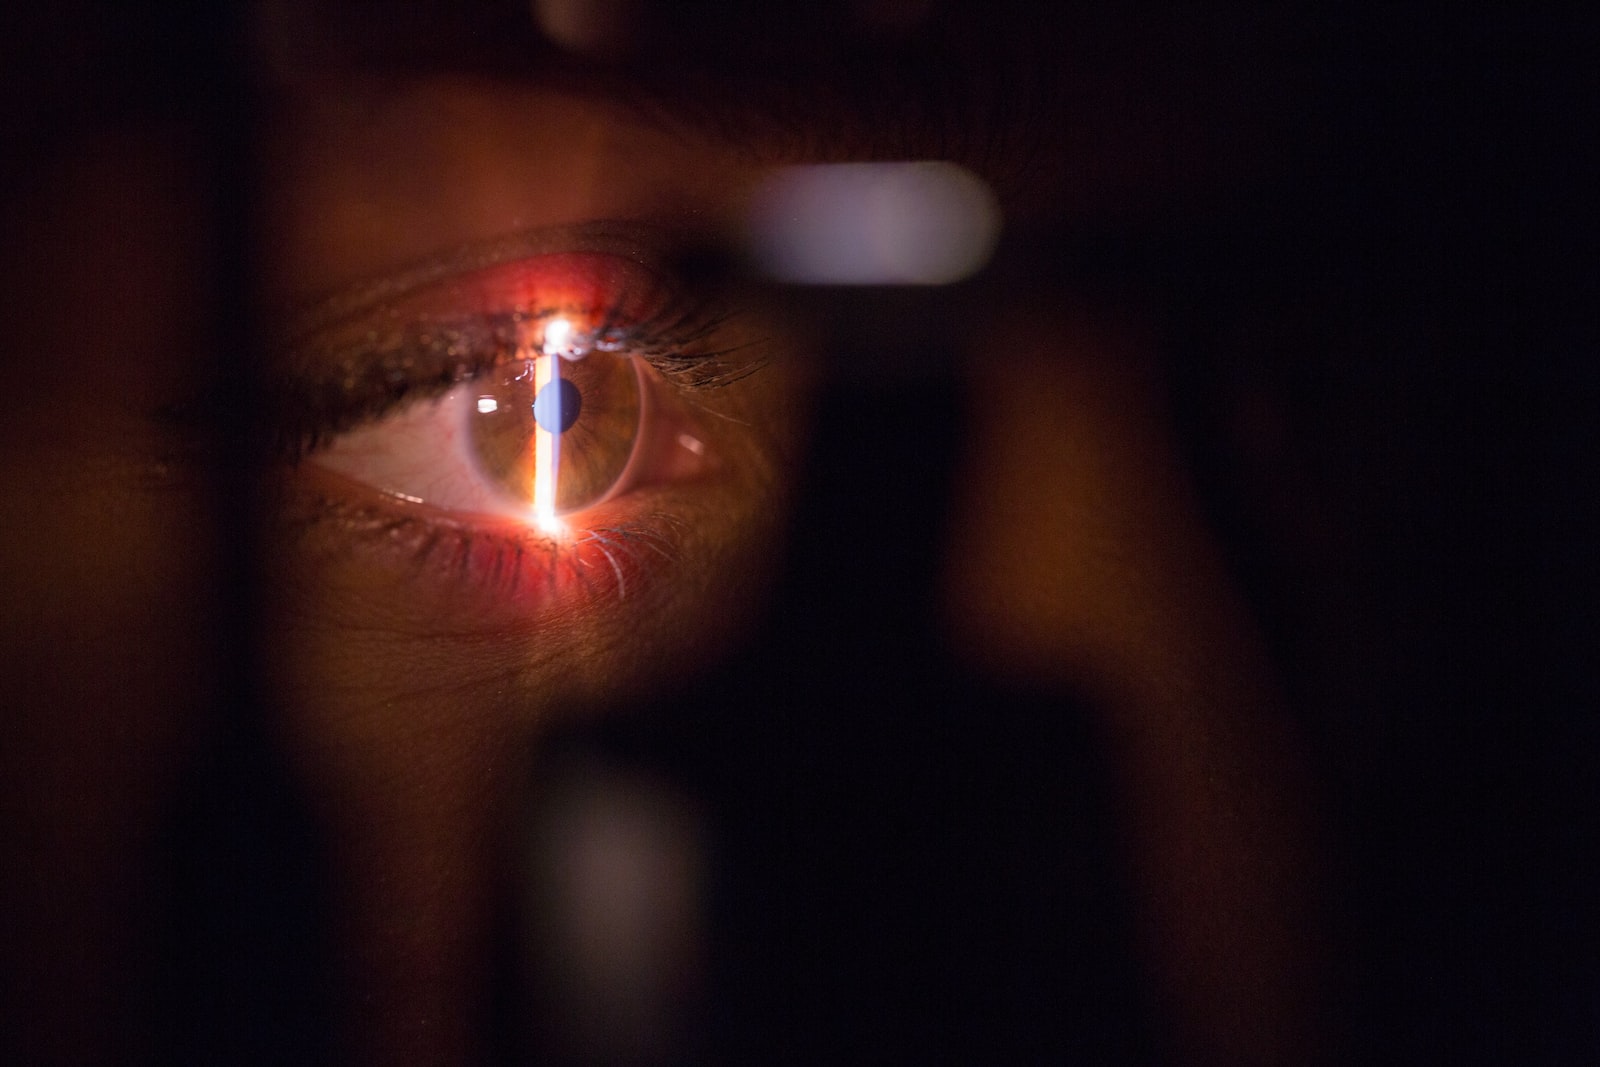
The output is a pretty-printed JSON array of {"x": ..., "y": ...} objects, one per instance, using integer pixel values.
[
  {"x": 572, "y": 568},
  {"x": 453, "y": 479},
  {"x": 594, "y": 288},
  {"x": 507, "y": 572}
]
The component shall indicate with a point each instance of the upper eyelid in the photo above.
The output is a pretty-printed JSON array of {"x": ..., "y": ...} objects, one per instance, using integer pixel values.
[
  {"x": 351, "y": 364},
  {"x": 649, "y": 243}
]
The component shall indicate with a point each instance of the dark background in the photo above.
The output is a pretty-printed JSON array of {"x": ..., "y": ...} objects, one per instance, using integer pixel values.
[{"x": 1383, "y": 346}]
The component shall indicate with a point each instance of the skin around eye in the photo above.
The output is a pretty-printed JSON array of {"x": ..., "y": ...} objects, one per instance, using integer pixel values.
[
  {"x": 415, "y": 649},
  {"x": 543, "y": 430}
]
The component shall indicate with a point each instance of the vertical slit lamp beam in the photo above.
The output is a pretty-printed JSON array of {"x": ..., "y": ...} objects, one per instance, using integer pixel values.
[{"x": 546, "y": 441}]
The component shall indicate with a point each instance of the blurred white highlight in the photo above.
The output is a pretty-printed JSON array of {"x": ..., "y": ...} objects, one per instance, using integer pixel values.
[
  {"x": 584, "y": 25},
  {"x": 926, "y": 223},
  {"x": 546, "y": 451},
  {"x": 562, "y": 339},
  {"x": 615, "y": 891},
  {"x": 487, "y": 404}
]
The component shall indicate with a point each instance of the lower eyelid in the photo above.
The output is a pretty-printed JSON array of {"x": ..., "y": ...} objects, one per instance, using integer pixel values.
[
  {"x": 501, "y": 565},
  {"x": 499, "y": 571}
]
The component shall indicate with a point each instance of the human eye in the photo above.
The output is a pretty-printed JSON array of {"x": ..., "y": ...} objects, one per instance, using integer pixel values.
[{"x": 544, "y": 422}]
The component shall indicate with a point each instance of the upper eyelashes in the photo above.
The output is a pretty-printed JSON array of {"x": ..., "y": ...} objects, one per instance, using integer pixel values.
[
  {"x": 503, "y": 406},
  {"x": 364, "y": 366},
  {"x": 535, "y": 438}
]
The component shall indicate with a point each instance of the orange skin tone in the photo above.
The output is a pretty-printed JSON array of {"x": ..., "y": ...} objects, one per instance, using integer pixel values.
[{"x": 402, "y": 704}]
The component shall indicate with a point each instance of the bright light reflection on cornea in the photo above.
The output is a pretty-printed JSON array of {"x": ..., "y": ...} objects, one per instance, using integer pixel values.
[
  {"x": 487, "y": 404},
  {"x": 922, "y": 223},
  {"x": 546, "y": 449},
  {"x": 563, "y": 339}
]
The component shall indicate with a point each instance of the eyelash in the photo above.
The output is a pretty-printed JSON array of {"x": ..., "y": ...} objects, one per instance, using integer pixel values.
[
  {"x": 413, "y": 366},
  {"x": 424, "y": 358},
  {"x": 496, "y": 558}
]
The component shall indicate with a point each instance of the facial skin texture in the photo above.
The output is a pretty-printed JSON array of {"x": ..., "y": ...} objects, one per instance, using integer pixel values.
[
  {"x": 405, "y": 697},
  {"x": 412, "y": 687}
]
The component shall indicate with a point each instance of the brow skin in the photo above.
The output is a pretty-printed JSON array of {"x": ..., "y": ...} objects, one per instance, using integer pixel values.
[{"x": 1062, "y": 111}]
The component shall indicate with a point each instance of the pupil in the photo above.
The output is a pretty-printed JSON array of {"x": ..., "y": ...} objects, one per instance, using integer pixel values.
[{"x": 556, "y": 407}]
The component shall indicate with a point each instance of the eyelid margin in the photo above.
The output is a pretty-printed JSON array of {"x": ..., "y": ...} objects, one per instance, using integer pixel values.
[
  {"x": 648, "y": 245},
  {"x": 432, "y": 336}
]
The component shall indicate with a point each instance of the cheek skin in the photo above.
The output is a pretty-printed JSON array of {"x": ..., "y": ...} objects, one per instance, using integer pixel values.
[
  {"x": 697, "y": 534},
  {"x": 409, "y": 697},
  {"x": 409, "y": 690}
]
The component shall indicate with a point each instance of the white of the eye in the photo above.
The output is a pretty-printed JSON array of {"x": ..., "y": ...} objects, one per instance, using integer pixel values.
[{"x": 422, "y": 453}]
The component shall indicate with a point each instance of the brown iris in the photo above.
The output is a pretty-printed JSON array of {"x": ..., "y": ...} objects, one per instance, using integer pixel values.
[{"x": 588, "y": 408}]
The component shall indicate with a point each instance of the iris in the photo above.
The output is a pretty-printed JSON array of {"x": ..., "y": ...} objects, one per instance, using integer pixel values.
[{"x": 593, "y": 406}]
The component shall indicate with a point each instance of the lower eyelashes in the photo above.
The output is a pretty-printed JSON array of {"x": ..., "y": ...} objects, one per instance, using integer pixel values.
[
  {"x": 508, "y": 426},
  {"x": 515, "y": 563}
]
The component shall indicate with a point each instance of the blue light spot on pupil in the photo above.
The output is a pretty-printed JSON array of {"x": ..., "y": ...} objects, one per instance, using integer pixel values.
[{"x": 556, "y": 407}]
